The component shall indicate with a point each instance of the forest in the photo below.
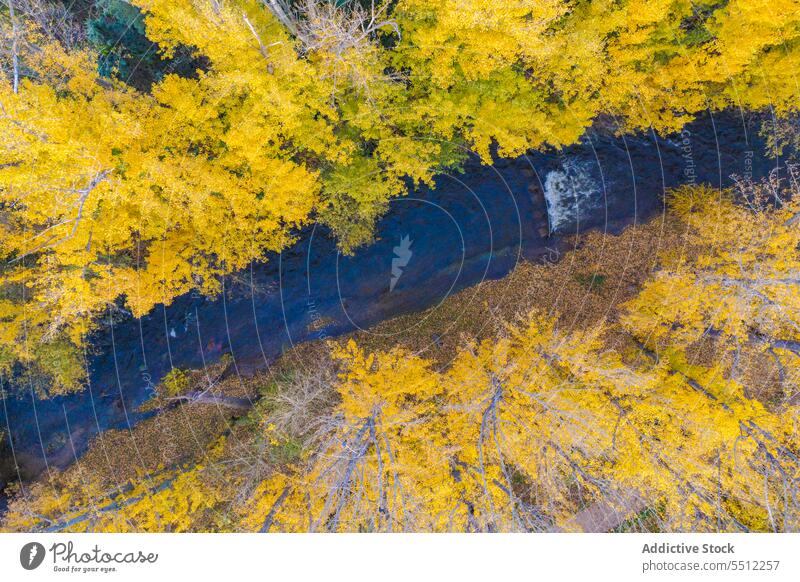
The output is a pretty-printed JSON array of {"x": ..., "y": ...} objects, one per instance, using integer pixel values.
[{"x": 648, "y": 380}]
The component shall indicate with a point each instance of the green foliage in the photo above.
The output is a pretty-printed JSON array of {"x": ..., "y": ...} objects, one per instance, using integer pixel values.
[
  {"x": 593, "y": 281},
  {"x": 117, "y": 32},
  {"x": 284, "y": 450}
]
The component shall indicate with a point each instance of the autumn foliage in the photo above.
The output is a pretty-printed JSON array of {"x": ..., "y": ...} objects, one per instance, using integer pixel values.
[
  {"x": 114, "y": 199},
  {"x": 525, "y": 431}
]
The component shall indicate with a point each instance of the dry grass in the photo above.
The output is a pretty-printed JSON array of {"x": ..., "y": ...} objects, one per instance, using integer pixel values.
[
  {"x": 174, "y": 437},
  {"x": 586, "y": 287}
]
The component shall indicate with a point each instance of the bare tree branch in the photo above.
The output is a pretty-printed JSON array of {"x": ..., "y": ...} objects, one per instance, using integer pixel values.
[{"x": 14, "y": 47}]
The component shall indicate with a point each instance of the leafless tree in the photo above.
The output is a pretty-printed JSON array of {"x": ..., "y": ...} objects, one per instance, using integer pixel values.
[
  {"x": 14, "y": 45},
  {"x": 322, "y": 24},
  {"x": 344, "y": 32},
  {"x": 299, "y": 410}
]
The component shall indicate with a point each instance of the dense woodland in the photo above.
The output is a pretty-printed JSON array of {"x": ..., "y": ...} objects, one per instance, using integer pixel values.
[{"x": 152, "y": 147}]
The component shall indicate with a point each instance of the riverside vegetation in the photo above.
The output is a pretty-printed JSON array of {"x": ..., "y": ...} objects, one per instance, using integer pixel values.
[
  {"x": 669, "y": 417},
  {"x": 677, "y": 409}
]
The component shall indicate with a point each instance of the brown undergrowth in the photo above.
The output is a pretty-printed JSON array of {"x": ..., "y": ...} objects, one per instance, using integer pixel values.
[{"x": 585, "y": 287}]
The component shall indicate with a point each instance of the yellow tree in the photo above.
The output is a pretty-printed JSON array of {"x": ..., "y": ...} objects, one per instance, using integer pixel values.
[
  {"x": 526, "y": 433},
  {"x": 738, "y": 281},
  {"x": 178, "y": 500},
  {"x": 382, "y": 465},
  {"x": 115, "y": 199},
  {"x": 543, "y": 429},
  {"x": 548, "y": 423},
  {"x": 734, "y": 283},
  {"x": 111, "y": 194}
]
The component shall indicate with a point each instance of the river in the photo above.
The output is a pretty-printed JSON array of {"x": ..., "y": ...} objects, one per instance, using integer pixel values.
[{"x": 472, "y": 226}]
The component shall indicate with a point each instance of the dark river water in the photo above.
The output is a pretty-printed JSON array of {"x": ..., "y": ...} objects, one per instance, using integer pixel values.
[{"x": 473, "y": 226}]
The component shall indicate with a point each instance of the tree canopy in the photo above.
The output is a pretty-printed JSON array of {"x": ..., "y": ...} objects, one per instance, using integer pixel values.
[
  {"x": 540, "y": 427},
  {"x": 122, "y": 190}
]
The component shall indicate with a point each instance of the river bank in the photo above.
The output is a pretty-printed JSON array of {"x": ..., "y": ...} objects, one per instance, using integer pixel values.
[
  {"x": 596, "y": 274},
  {"x": 471, "y": 229},
  {"x": 589, "y": 286}
]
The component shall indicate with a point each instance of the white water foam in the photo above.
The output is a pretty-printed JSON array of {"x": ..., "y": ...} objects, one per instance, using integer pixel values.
[{"x": 570, "y": 192}]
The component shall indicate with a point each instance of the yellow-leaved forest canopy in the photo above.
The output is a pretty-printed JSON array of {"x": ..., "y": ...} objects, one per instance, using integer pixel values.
[
  {"x": 648, "y": 381},
  {"x": 120, "y": 191}
]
